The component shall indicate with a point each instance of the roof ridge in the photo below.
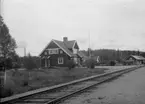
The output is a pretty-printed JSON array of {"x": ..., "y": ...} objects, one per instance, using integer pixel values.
[
  {"x": 61, "y": 41},
  {"x": 63, "y": 46},
  {"x": 71, "y": 40},
  {"x": 57, "y": 40}
]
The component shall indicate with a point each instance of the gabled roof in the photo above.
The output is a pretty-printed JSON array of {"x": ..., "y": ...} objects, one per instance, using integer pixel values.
[
  {"x": 138, "y": 57},
  {"x": 69, "y": 44},
  {"x": 65, "y": 46},
  {"x": 81, "y": 54}
]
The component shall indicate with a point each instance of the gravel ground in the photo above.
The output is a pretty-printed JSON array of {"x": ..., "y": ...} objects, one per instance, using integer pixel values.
[
  {"x": 127, "y": 89},
  {"x": 114, "y": 68}
]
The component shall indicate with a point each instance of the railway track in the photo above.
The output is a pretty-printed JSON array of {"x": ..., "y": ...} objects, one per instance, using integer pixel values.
[{"x": 60, "y": 92}]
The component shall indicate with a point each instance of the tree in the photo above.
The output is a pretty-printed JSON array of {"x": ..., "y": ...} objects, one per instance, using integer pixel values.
[
  {"x": 7, "y": 43},
  {"x": 112, "y": 63},
  {"x": 90, "y": 63},
  {"x": 29, "y": 63},
  {"x": 7, "y": 46},
  {"x": 70, "y": 64},
  {"x": 16, "y": 61}
]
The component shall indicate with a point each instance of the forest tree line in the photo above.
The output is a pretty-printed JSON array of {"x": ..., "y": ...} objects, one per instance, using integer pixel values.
[
  {"x": 9, "y": 58},
  {"x": 111, "y": 54}
]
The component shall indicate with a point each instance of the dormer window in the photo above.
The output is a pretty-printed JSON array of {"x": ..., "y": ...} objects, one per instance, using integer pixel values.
[
  {"x": 53, "y": 51},
  {"x": 75, "y": 51}
]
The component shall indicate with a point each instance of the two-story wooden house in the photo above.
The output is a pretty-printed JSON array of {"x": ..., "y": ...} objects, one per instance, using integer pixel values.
[{"x": 57, "y": 53}]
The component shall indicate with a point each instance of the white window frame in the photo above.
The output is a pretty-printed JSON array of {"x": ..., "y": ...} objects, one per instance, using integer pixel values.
[
  {"x": 60, "y": 60},
  {"x": 53, "y": 51},
  {"x": 61, "y": 52},
  {"x": 75, "y": 51},
  {"x": 131, "y": 59}
]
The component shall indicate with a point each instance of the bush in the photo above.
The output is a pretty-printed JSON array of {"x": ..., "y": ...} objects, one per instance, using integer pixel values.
[
  {"x": 25, "y": 83},
  {"x": 112, "y": 63},
  {"x": 90, "y": 63},
  {"x": 29, "y": 63},
  {"x": 8, "y": 63},
  {"x": 16, "y": 65},
  {"x": 70, "y": 64},
  {"x": 5, "y": 92}
]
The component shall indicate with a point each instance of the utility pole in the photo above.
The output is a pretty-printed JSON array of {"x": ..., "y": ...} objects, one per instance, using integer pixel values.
[
  {"x": 138, "y": 52},
  {"x": 0, "y": 7},
  {"x": 1, "y": 23},
  {"x": 24, "y": 51},
  {"x": 89, "y": 49}
]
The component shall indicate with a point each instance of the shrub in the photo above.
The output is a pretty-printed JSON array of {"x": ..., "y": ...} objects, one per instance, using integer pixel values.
[
  {"x": 90, "y": 63},
  {"x": 5, "y": 92},
  {"x": 112, "y": 63},
  {"x": 37, "y": 78},
  {"x": 29, "y": 63},
  {"x": 70, "y": 64},
  {"x": 16, "y": 65},
  {"x": 24, "y": 83},
  {"x": 8, "y": 63}
]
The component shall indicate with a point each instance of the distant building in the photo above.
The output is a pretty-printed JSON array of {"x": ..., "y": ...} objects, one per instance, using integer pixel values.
[
  {"x": 57, "y": 53},
  {"x": 83, "y": 56},
  {"x": 134, "y": 59}
]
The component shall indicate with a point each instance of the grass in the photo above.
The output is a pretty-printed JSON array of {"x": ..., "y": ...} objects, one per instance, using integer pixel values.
[{"x": 25, "y": 80}]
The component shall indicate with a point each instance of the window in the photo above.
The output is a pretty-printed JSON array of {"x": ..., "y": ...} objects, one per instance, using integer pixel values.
[
  {"x": 61, "y": 51},
  {"x": 45, "y": 53},
  {"x": 53, "y": 51},
  {"x": 75, "y": 51},
  {"x": 131, "y": 59},
  {"x": 60, "y": 60}
]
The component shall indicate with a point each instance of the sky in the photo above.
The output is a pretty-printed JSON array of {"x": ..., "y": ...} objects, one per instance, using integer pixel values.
[{"x": 112, "y": 24}]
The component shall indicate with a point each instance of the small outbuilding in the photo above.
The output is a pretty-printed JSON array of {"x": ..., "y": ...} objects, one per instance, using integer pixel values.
[{"x": 135, "y": 59}]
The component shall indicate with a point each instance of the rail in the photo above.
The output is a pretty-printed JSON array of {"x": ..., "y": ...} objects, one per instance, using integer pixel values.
[{"x": 41, "y": 90}]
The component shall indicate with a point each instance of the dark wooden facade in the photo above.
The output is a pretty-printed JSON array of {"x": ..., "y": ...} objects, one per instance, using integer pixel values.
[
  {"x": 48, "y": 60},
  {"x": 52, "y": 60}
]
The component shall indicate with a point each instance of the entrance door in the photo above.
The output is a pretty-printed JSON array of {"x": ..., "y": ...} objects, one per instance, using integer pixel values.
[
  {"x": 48, "y": 63},
  {"x": 45, "y": 62}
]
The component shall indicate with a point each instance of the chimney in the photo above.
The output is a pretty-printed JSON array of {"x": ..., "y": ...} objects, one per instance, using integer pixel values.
[{"x": 65, "y": 39}]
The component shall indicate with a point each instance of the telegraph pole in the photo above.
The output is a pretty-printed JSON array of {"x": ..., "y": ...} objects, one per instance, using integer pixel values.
[
  {"x": 1, "y": 24},
  {"x": 24, "y": 51},
  {"x": 24, "y": 48},
  {"x": 0, "y": 7},
  {"x": 89, "y": 38},
  {"x": 1, "y": 13},
  {"x": 89, "y": 51}
]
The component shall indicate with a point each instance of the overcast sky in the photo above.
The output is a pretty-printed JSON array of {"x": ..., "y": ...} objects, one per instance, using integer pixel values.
[{"x": 113, "y": 24}]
